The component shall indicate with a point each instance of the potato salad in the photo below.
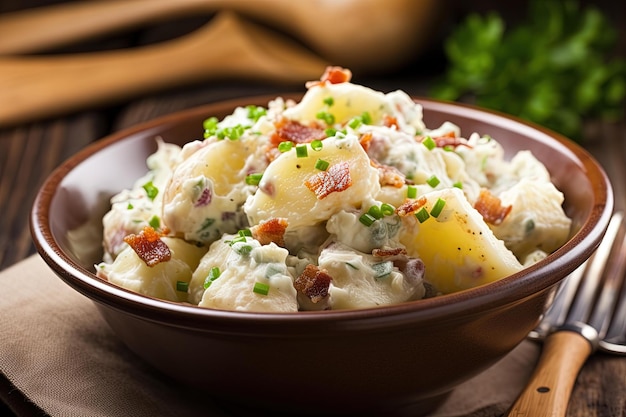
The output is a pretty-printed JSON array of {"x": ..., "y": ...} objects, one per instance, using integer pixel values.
[{"x": 342, "y": 200}]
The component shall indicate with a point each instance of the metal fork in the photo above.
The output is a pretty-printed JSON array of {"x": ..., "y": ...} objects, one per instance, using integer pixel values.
[{"x": 588, "y": 313}]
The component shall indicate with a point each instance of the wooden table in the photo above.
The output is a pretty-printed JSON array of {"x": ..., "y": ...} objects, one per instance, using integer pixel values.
[{"x": 29, "y": 152}]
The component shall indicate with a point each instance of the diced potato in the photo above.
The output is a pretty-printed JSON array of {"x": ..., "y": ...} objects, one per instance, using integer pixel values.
[
  {"x": 457, "y": 247},
  {"x": 283, "y": 192},
  {"x": 159, "y": 281},
  {"x": 206, "y": 190}
]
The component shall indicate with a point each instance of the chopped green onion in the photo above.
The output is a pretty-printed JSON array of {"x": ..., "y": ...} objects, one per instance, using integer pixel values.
[
  {"x": 352, "y": 266},
  {"x": 255, "y": 112},
  {"x": 433, "y": 181},
  {"x": 214, "y": 273},
  {"x": 327, "y": 117},
  {"x": 155, "y": 222},
  {"x": 285, "y": 146},
  {"x": 375, "y": 212},
  {"x": 317, "y": 145},
  {"x": 210, "y": 126},
  {"x": 331, "y": 131},
  {"x": 322, "y": 165},
  {"x": 382, "y": 269},
  {"x": 254, "y": 179},
  {"x": 238, "y": 239},
  {"x": 182, "y": 286},
  {"x": 411, "y": 191},
  {"x": 243, "y": 250},
  {"x": 429, "y": 143},
  {"x": 261, "y": 288},
  {"x": 329, "y": 101},
  {"x": 355, "y": 122},
  {"x": 458, "y": 184},
  {"x": 366, "y": 118},
  {"x": 367, "y": 219},
  {"x": 422, "y": 215},
  {"x": 387, "y": 209},
  {"x": 438, "y": 207},
  {"x": 130, "y": 206},
  {"x": 245, "y": 232},
  {"x": 302, "y": 151},
  {"x": 151, "y": 190}
]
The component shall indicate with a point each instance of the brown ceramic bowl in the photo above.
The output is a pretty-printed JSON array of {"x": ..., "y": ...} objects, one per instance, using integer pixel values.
[{"x": 379, "y": 360}]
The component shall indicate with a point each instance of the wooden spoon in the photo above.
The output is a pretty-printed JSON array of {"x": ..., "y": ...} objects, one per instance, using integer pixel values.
[
  {"x": 41, "y": 86},
  {"x": 364, "y": 35}
]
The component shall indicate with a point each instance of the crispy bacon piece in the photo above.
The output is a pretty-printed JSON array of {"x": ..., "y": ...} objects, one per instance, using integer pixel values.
[
  {"x": 272, "y": 230},
  {"x": 388, "y": 175},
  {"x": 390, "y": 121},
  {"x": 385, "y": 252},
  {"x": 335, "y": 179},
  {"x": 333, "y": 75},
  {"x": 313, "y": 284},
  {"x": 491, "y": 208},
  {"x": 149, "y": 246},
  {"x": 296, "y": 132},
  {"x": 448, "y": 139},
  {"x": 366, "y": 140},
  {"x": 410, "y": 206}
]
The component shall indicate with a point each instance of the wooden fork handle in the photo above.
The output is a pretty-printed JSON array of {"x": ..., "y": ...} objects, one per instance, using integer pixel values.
[{"x": 549, "y": 388}]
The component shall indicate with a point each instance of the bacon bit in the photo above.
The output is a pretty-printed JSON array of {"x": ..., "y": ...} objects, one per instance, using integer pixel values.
[
  {"x": 490, "y": 207},
  {"x": 383, "y": 253},
  {"x": 332, "y": 75},
  {"x": 410, "y": 206},
  {"x": 205, "y": 198},
  {"x": 296, "y": 132},
  {"x": 390, "y": 121},
  {"x": 447, "y": 139},
  {"x": 272, "y": 230},
  {"x": 313, "y": 283},
  {"x": 366, "y": 140},
  {"x": 335, "y": 179},
  {"x": 388, "y": 175},
  {"x": 149, "y": 246}
]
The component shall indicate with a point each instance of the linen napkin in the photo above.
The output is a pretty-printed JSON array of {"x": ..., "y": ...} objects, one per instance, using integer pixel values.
[{"x": 61, "y": 355}]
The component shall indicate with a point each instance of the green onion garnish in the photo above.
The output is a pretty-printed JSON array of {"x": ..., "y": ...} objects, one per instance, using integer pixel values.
[
  {"x": 130, "y": 206},
  {"x": 210, "y": 126},
  {"x": 302, "y": 151},
  {"x": 322, "y": 165},
  {"x": 438, "y": 207},
  {"x": 285, "y": 146},
  {"x": 429, "y": 143},
  {"x": 243, "y": 250},
  {"x": 387, "y": 209},
  {"x": 261, "y": 288},
  {"x": 331, "y": 131},
  {"x": 255, "y": 112},
  {"x": 422, "y": 215},
  {"x": 411, "y": 191},
  {"x": 375, "y": 212},
  {"x": 254, "y": 179},
  {"x": 329, "y": 101},
  {"x": 151, "y": 190},
  {"x": 238, "y": 239},
  {"x": 355, "y": 122},
  {"x": 366, "y": 118},
  {"x": 244, "y": 233},
  {"x": 155, "y": 222},
  {"x": 182, "y": 286},
  {"x": 317, "y": 145},
  {"x": 327, "y": 117},
  {"x": 367, "y": 219},
  {"x": 214, "y": 273},
  {"x": 433, "y": 181}
]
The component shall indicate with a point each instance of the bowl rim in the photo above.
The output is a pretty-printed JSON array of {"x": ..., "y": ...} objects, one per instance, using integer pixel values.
[{"x": 513, "y": 288}]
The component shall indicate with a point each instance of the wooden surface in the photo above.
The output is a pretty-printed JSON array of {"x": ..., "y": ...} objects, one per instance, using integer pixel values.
[{"x": 29, "y": 152}]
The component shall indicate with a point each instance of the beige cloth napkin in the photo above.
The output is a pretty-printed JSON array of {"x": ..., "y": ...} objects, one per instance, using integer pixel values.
[{"x": 59, "y": 352}]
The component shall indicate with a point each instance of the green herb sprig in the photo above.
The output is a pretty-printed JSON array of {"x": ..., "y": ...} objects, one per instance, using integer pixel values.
[{"x": 554, "y": 69}]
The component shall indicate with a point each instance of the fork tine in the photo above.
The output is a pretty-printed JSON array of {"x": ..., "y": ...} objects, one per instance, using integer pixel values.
[
  {"x": 615, "y": 339},
  {"x": 583, "y": 305}
]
